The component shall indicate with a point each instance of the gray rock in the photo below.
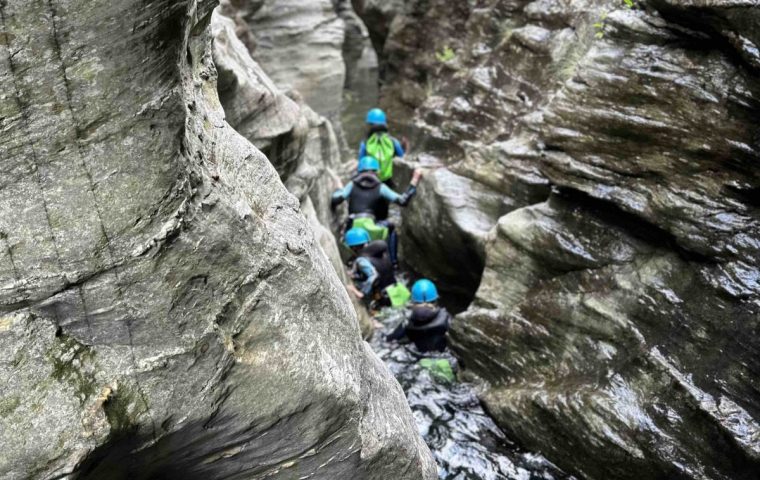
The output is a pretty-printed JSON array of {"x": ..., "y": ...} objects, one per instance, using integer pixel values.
[
  {"x": 378, "y": 16},
  {"x": 621, "y": 315},
  {"x": 300, "y": 45},
  {"x": 166, "y": 310},
  {"x": 300, "y": 143},
  {"x": 362, "y": 83}
]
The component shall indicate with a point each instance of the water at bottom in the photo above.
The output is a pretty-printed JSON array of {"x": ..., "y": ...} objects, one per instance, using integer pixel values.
[{"x": 464, "y": 440}]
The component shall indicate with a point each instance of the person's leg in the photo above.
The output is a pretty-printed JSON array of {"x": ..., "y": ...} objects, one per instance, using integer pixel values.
[
  {"x": 348, "y": 225},
  {"x": 392, "y": 241}
]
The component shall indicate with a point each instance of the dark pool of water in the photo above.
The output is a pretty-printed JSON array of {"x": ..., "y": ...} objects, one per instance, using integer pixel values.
[{"x": 464, "y": 440}]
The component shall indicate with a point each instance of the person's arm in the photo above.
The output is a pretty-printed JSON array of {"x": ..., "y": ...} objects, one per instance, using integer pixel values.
[
  {"x": 363, "y": 150},
  {"x": 341, "y": 195},
  {"x": 400, "y": 150},
  {"x": 370, "y": 275},
  {"x": 448, "y": 319},
  {"x": 398, "y": 333},
  {"x": 389, "y": 194}
]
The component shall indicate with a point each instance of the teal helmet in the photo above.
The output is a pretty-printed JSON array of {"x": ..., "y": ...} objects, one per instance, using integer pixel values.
[
  {"x": 369, "y": 164},
  {"x": 424, "y": 291},
  {"x": 356, "y": 237},
  {"x": 377, "y": 117}
]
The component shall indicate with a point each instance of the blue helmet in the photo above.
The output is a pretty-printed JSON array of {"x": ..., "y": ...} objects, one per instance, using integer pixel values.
[
  {"x": 377, "y": 117},
  {"x": 424, "y": 291},
  {"x": 369, "y": 164},
  {"x": 356, "y": 237}
]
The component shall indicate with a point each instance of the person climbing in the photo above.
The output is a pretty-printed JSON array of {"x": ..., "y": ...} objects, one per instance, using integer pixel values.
[
  {"x": 371, "y": 267},
  {"x": 385, "y": 148},
  {"x": 364, "y": 192},
  {"x": 427, "y": 322}
]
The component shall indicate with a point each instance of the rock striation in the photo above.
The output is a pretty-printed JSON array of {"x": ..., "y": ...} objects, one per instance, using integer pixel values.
[
  {"x": 301, "y": 145},
  {"x": 300, "y": 46},
  {"x": 597, "y": 158},
  {"x": 165, "y": 309}
]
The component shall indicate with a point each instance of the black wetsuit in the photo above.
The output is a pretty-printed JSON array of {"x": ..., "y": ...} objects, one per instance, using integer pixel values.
[
  {"x": 377, "y": 253},
  {"x": 426, "y": 327},
  {"x": 366, "y": 197},
  {"x": 365, "y": 194}
]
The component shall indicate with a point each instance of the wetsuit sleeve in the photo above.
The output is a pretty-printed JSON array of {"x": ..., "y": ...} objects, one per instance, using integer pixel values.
[
  {"x": 387, "y": 193},
  {"x": 341, "y": 195},
  {"x": 398, "y": 333},
  {"x": 369, "y": 272},
  {"x": 399, "y": 148},
  {"x": 363, "y": 150}
]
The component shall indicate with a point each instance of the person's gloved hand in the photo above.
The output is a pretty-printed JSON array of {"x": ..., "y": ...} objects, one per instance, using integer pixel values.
[{"x": 334, "y": 202}]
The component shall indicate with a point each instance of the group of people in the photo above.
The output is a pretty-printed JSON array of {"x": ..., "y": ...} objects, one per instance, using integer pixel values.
[{"x": 373, "y": 239}]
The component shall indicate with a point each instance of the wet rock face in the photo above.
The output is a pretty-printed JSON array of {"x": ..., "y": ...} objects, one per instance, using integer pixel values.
[
  {"x": 619, "y": 315},
  {"x": 315, "y": 48},
  {"x": 300, "y": 45},
  {"x": 378, "y": 16},
  {"x": 299, "y": 143},
  {"x": 165, "y": 310}
]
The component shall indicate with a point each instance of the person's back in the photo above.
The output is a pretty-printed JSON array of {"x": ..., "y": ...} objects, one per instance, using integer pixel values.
[
  {"x": 427, "y": 327},
  {"x": 379, "y": 256},
  {"x": 365, "y": 194},
  {"x": 382, "y": 146},
  {"x": 427, "y": 323}
]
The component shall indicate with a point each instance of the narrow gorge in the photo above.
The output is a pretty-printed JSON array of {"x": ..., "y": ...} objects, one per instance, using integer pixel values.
[{"x": 173, "y": 300}]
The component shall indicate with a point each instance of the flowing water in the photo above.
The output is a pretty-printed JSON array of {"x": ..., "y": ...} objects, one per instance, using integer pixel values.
[{"x": 465, "y": 442}]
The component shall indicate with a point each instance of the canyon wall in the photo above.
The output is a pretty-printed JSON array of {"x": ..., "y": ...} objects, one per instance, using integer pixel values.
[
  {"x": 165, "y": 308},
  {"x": 592, "y": 189}
]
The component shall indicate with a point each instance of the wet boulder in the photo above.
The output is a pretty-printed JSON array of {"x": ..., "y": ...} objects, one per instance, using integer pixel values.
[
  {"x": 588, "y": 329},
  {"x": 298, "y": 142}
]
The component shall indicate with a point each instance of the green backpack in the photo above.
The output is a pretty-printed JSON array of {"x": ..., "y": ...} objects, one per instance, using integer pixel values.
[
  {"x": 380, "y": 146},
  {"x": 398, "y": 294}
]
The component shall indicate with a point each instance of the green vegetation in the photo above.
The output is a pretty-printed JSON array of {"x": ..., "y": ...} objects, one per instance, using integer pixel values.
[
  {"x": 601, "y": 25},
  {"x": 446, "y": 55},
  {"x": 68, "y": 358}
]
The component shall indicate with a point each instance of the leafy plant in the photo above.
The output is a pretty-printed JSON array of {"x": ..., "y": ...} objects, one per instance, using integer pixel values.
[
  {"x": 446, "y": 55},
  {"x": 600, "y": 25}
]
